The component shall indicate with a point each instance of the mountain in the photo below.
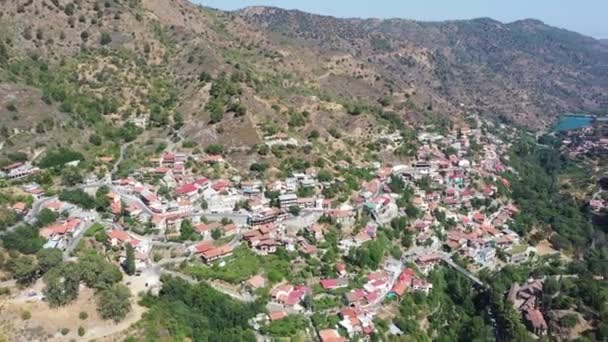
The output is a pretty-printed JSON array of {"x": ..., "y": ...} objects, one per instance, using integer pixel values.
[
  {"x": 234, "y": 77},
  {"x": 524, "y": 69}
]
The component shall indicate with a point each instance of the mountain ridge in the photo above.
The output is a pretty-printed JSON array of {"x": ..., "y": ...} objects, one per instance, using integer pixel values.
[{"x": 287, "y": 61}]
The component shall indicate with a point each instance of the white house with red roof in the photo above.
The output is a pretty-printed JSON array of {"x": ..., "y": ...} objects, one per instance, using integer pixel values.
[{"x": 58, "y": 234}]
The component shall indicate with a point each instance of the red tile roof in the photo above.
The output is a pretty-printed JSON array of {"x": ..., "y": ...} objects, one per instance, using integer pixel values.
[{"x": 186, "y": 189}]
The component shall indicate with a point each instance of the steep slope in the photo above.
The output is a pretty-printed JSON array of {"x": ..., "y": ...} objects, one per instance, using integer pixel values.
[
  {"x": 209, "y": 76},
  {"x": 524, "y": 70}
]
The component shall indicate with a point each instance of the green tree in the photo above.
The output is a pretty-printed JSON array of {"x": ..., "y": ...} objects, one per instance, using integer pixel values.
[
  {"x": 49, "y": 258},
  {"x": 130, "y": 260},
  {"x": 214, "y": 149},
  {"x": 114, "y": 302},
  {"x": 95, "y": 140},
  {"x": 101, "y": 196},
  {"x": 186, "y": 230},
  {"x": 71, "y": 176},
  {"x": 216, "y": 233},
  {"x": 294, "y": 210},
  {"x": 96, "y": 272},
  {"x": 24, "y": 269},
  {"x": 46, "y": 216},
  {"x": 61, "y": 284},
  {"x": 24, "y": 239},
  {"x": 216, "y": 115}
]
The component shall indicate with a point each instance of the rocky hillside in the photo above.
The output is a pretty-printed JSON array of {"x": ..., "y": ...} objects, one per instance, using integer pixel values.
[
  {"x": 525, "y": 70},
  {"x": 208, "y": 76}
]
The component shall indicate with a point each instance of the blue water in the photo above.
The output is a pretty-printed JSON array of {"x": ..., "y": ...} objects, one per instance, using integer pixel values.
[{"x": 570, "y": 122}]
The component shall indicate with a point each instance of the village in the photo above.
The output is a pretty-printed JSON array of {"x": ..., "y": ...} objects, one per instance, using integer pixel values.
[{"x": 448, "y": 206}]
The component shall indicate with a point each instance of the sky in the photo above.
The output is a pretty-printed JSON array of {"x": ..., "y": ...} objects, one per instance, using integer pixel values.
[{"x": 589, "y": 17}]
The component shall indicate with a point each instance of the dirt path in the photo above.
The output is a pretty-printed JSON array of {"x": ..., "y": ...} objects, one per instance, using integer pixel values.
[{"x": 109, "y": 331}]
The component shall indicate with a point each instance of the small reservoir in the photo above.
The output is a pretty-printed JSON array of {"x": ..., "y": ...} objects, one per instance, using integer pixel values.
[{"x": 573, "y": 121}]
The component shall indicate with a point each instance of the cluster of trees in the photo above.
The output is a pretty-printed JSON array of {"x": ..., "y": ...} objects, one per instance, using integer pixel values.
[
  {"x": 297, "y": 119},
  {"x": 196, "y": 312},
  {"x": 455, "y": 310},
  {"x": 536, "y": 190},
  {"x": 371, "y": 254},
  {"x": 78, "y": 197},
  {"x": 59, "y": 157},
  {"x": 63, "y": 279},
  {"x": 24, "y": 239},
  {"x": 222, "y": 92},
  {"x": 27, "y": 268}
]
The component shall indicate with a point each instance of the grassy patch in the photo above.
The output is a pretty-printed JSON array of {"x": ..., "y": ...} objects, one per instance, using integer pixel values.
[
  {"x": 94, "y": 229},
  {"x": 242, "y": 265}
]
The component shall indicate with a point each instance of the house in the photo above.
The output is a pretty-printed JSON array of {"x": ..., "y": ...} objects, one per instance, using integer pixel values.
[
  {"x": 167, "y": 160},
  {"x": 308, "y": 249},
  {"x": 428, "y": 261},
  {"x": 229, "y": 229},
  {"x": 332, "y": 284},
  {"x": 596, "y": 205},
  {"x": 250, "y": 187},
  {"x": 255, "y": 282},
  {"x": 209, "y": 252},
  {"x": 403, "y": 283},
  {"x": 20, "y": 208},
  {"x": 316, "y": 230},
  {"x": 330, "y": 335},
  {"x": 119, "y": 238},
  {"x": 289, "y": 295},
  {"x": 484, "y": 256},
  {"x": 288, "y": 200},
  {"x": 266, "y": 246},
  {"x": 277, "y": 315},
  {"x": 536, "y": 322},
  {"x": 419, "y": 284},
  {"x": 266, "y": 216},
  {"x": 306, "y": 203},
  {"x": 517, "y": 254},
  {"x": 20, "y": 170},
  {"x": 58, "y": 234},
  {"x": 190, "y": 191},
  {"x": 355, "y": 297},
  {"x": 345, "y": 217},
  {"x": 341, "y": 269},
  {"x": 221, "y": 185},
  {"x": 60, "y": 229},
  {"x": 211, "y": 159}
]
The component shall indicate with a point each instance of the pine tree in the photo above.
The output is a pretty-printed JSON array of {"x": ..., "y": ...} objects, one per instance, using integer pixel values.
[{"x": 130, "y": 261}]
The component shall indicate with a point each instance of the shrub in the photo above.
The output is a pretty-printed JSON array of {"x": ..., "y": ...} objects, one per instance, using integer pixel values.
[
  {"x": 83, "y": 315},
  {"x": 11, "y": 107},
  {"x": 81, "y": 331},
  {"x": 65, "y": 331},
  {"x": 214, "y": 149},
  {"x": 105, "y": 39},
  {"x": 25, "y": 315}
]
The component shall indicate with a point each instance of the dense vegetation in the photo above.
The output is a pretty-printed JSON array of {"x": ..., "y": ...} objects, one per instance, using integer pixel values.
[
  {"x": 546, "y": 210},
  {"x": 196, "y": 312}
]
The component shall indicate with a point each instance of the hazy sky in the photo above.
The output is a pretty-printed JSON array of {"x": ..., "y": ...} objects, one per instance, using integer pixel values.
[{"x": 589, "y": 17}]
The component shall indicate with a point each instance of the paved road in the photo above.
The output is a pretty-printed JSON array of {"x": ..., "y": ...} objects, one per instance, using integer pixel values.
[{"x": 76, "y": 239}]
